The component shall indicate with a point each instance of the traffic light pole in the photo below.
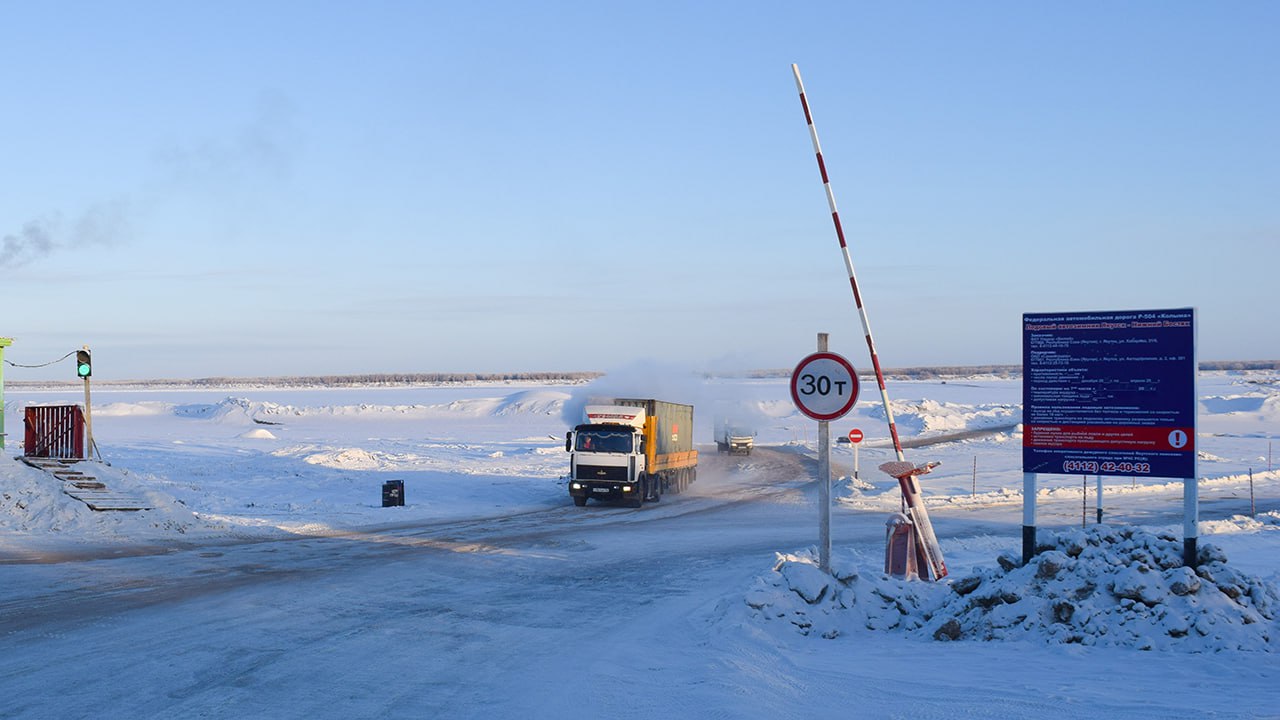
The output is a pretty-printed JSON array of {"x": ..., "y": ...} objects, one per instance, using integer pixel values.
[
  {"x": 84, "y": 370},
  {"x": 88, "y": 422}
]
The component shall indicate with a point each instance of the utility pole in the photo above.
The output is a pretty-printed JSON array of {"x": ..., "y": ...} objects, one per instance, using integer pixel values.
[{"x": 84, "y": 370}]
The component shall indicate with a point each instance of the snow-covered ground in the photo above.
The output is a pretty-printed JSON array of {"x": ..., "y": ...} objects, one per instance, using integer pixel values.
[{"x": 267, "y": 580}]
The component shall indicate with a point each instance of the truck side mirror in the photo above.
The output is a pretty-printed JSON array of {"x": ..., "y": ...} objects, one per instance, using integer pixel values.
[{"x": 568, "y": 441}]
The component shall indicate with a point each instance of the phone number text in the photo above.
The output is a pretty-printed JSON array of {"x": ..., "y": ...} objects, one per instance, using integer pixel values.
[{"x": 1093, "y": 467}]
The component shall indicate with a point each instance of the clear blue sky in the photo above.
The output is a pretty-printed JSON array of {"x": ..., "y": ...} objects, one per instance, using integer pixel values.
[{"x": 283, "y": 188}]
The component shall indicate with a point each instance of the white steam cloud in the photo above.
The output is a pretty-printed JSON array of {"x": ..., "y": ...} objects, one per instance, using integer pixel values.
[{"x": 712, "y": 402}]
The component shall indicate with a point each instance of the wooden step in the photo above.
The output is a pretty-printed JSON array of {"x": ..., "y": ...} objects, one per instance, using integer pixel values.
[
  {"x": 87, "y": 488},
  {"x": 106, "y": 500}
]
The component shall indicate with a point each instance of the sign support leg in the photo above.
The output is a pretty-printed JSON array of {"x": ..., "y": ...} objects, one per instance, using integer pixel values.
[
  {"x": 1190, "y": 520},
  {"x": 824, "y": 496},
  {"x": 1028, "y": 517}
]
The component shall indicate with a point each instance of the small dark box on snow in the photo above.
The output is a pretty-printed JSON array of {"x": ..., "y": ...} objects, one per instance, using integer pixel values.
[{"x": 392, "y": 493}]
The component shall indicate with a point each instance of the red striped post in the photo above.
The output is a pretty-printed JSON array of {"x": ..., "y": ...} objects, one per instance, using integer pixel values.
[
  {"x": 848, "y": 264},
  {"x": 928, "y": 546}
]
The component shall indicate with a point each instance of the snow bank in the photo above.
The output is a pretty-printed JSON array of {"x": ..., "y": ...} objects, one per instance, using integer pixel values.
[
  {"x": 1105, "y": 586},
  {"x": 35, "y": 511},
  {"x": 259, "y": 434},
  {"x": 1267, "y": 405},
  {"x": 244, "y": 411},
  {"x": 930, "y": 416},
  {"x": 537, "y": 402}
]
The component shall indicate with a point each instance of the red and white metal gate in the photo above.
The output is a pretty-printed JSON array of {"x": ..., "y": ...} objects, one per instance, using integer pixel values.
[{"x": 54, "y": 431}]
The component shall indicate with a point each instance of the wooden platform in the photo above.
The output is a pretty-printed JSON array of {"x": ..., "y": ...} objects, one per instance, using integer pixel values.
[{"x": 86, "y": 487}]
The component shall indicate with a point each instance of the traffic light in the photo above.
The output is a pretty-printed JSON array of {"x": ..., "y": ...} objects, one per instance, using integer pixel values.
[{"x": 84, "y": 368}]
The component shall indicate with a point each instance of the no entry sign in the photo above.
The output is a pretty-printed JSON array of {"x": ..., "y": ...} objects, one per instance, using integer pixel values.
[
  {"x": 824, "y": 386},
  {"x": 855, "y": 436}
]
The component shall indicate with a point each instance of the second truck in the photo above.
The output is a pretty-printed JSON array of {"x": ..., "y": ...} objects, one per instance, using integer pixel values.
[
  {"x": 733, "y": 438},
  {"x": 631, "y": 451}
]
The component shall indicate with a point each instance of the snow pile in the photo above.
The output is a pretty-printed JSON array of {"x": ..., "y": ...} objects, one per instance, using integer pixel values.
[
  {"x": 258, "y": 434},
  {"x": 1242, "y": 523},
  {"x": 1105, "y": 586},
  {"x": 348, "y": 458},
  {"x": 232, "y": 410},
  {"x": 1264, "y": 404},
  {"x": 131, "y": 409},
  {"x": 538, "y": 402},
  {"x": 930, "y": 416},
  {"x": 850, "y": 485}
]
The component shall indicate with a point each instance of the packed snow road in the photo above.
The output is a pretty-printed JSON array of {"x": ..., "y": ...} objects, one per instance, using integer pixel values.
[
  {"x": 560, "y": 612},
  {"x": 161, "y": 575}
]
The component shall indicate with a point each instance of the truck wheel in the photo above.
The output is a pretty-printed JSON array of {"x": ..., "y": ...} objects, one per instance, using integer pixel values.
[
  {"x": 644, "y": 490},
  {"x": 658, "y": 482},
  {"x": 580, "y": 501}
]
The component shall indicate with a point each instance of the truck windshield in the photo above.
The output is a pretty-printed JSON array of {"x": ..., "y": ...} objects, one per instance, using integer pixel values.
[{"x": 618, "y": 441}]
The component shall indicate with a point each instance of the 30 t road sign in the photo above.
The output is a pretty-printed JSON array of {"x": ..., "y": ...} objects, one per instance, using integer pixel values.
[{"x": 824, "y": 386}]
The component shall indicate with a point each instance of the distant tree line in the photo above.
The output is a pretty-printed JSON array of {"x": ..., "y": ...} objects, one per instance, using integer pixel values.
[
  {"x": 1004, "y": 371},
  {"x": 442, "y": 378},
  {"x": 1240, "y": 365},
  {"x": 913, "y": 373},
  {"x": 437, "y": 378},
  {"x": 365, "y": 380}
]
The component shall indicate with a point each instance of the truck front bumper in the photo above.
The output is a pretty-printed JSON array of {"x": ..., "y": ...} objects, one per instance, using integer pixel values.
[{"x": 604, "y": 490}]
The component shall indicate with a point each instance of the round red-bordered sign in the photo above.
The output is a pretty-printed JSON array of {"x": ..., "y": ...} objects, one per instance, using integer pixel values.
[
  {"x": 855, "y": 436},
  {"x": 824, "y": 386}
]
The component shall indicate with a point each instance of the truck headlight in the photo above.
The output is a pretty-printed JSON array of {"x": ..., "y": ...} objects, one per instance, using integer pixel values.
[
  {"x": 626, "y": 488},
  {"x": 577, "y": 486}
]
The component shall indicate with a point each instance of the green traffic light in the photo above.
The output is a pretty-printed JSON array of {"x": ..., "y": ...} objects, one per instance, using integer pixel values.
[{"x": 84, "y": 366}]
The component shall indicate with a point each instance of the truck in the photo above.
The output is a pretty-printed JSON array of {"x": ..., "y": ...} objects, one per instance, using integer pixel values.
[
  {"x": 733, "y": 438},
  {"x": 631, "y": 451}
]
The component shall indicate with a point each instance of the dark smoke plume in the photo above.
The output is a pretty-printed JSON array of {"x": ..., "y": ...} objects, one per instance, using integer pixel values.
[{"x": 99, "y": 225}]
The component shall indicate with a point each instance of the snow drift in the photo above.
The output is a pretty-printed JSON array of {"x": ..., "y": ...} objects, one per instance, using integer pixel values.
[{"x": 1104, "y": 586}]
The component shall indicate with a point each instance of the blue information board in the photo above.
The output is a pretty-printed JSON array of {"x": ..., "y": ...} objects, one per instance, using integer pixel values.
[{"x": 1109, "y": 393}]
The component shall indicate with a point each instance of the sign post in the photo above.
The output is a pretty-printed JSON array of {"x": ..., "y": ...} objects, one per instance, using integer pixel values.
[{"x": 824, "y": 386}]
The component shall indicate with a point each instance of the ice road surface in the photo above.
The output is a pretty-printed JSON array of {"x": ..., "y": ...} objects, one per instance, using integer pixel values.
[{"x": 268, "y": 581}]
